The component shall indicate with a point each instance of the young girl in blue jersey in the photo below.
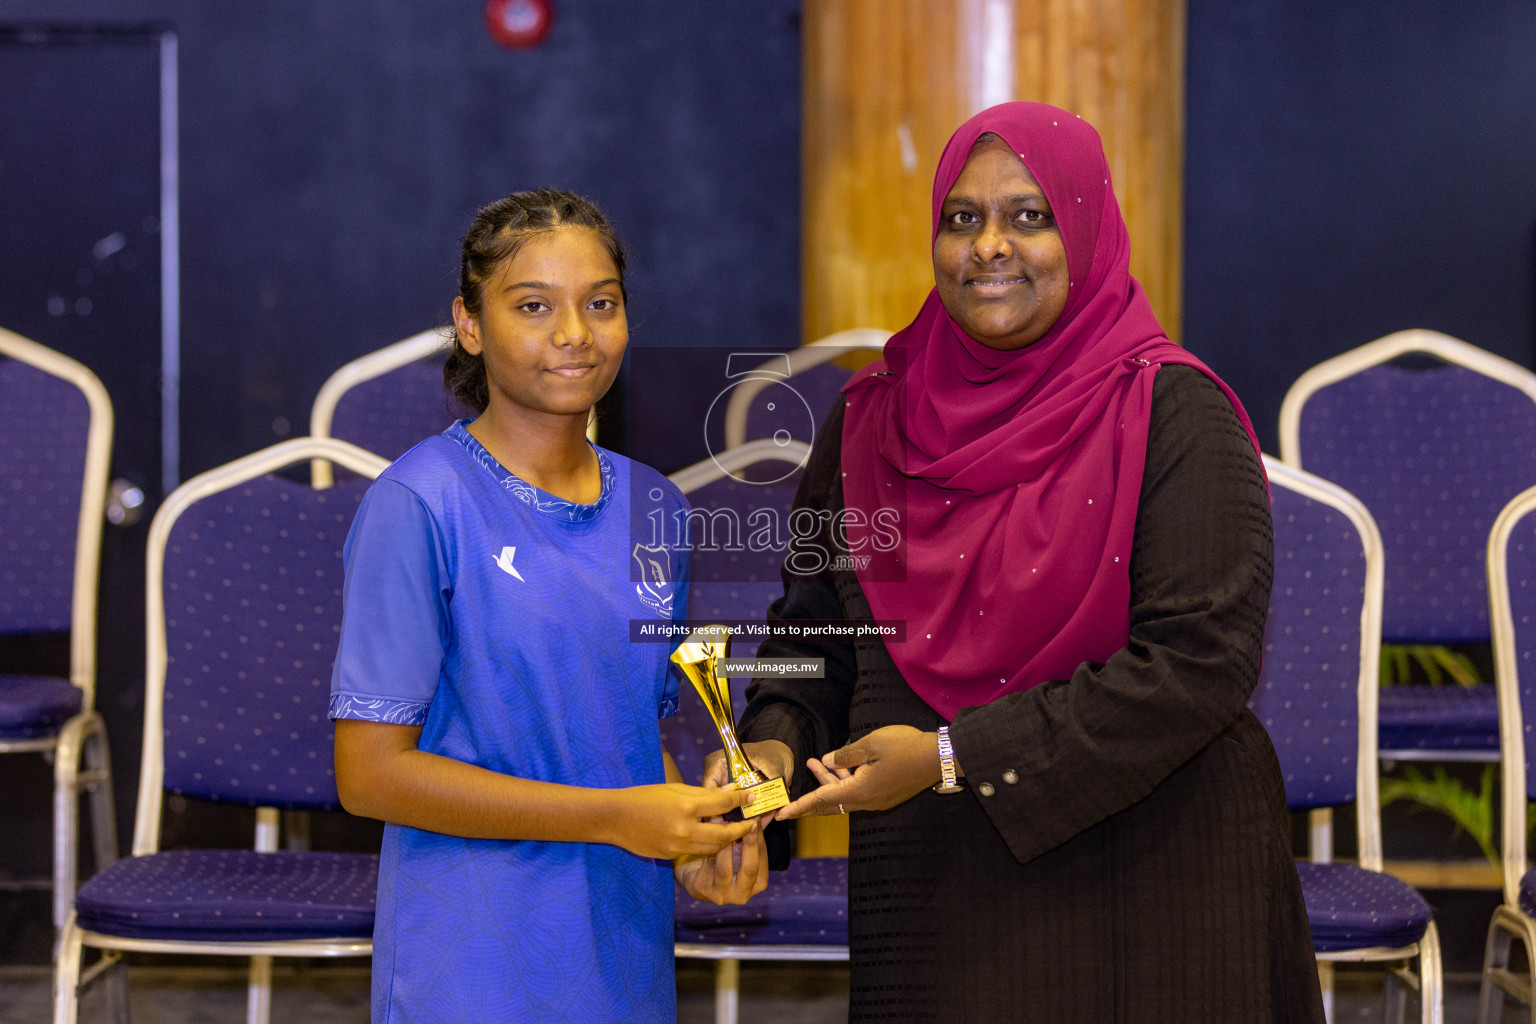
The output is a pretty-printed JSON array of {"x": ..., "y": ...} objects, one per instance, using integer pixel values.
[{"x": 489, "y": 703}]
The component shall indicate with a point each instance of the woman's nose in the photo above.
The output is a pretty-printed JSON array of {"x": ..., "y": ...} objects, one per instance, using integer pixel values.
[{"x": 992, "y": 243}]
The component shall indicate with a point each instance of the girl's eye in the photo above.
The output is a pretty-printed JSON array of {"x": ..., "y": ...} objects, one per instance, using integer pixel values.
[
  {"x": 603, "y": 304},
  {"x": 533, "y": 307}
]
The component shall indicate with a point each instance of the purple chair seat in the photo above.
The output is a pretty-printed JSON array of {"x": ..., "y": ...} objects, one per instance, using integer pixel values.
[
  {"x": 1350, "y": 908},
  {"x": 232, "y": 895},
  {"x": 33, "y": 706},
  {"x": 1440, "y": 718},
  {"x": 806, "y": 905}
]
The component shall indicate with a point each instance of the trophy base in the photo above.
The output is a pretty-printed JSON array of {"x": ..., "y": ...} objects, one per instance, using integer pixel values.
[{"x": 767, "y": 797}]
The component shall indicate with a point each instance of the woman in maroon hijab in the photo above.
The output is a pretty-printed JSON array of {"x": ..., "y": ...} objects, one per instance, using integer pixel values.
[{"x": 1082, "y": 573}]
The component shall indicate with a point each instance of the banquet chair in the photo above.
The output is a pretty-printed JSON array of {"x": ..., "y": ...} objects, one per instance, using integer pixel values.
[
  {"x": 785, "y": 392},
  {"x": 243, "y": 608},
  {"x": 1512, "y": 609},
  {"x": 55, "y": 444},
  {"x": 386, "y": 401},
  {"x": 1316, "y": 696},
  {"x": 803, "y": 916},
  {"x": 1434, "y": 436}
]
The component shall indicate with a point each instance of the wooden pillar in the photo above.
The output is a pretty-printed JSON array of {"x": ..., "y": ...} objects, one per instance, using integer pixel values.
[
  {"x": 887, "y": 81},
  {"x": 885, "y": 84}
]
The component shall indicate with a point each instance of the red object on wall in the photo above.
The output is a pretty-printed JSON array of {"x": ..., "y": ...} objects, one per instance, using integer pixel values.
[{"x": 518, "y": 24}]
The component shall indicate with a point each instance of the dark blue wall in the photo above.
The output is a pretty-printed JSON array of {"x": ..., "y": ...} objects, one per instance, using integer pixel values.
[
  {"x": 1352, "y": 170},
  {"x": 333, "y": 154}
]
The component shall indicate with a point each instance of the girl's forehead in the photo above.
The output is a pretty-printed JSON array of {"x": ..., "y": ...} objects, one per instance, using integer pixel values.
[{"x": 574, "y": 249}]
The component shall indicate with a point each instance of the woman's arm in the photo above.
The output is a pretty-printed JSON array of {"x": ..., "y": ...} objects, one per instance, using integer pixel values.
[
  {"x": 381, "y": 774},
  {"x": 1084, "y": 748}
]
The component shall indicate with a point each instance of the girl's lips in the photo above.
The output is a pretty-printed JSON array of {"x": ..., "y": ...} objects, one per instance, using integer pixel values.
[{"x": 573, "y": 370}]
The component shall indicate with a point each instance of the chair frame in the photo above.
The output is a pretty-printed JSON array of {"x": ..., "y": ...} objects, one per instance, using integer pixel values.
[
  {"x": 728, "y": 956},
  {"x": 1429, "y": 979},
  {"x": 1509, "y": 921},
  {"x": 814, "y": 353},
  {"x": 1451, "y": 350},
  {"x": 364, "y": 368},
  {"x": 68, "y": 979},
  {"x": 83, "y": 737},
  {"x": 1383, "y": 350}
]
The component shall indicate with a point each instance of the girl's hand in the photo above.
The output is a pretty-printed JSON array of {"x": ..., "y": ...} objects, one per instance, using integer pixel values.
[
  {"x": 734, "y": 875},
  {"x": 889, "y": 766},
  {"x": 667, "y": 820}
]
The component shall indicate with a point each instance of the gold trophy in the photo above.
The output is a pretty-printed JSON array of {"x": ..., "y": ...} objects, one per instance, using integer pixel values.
[{"x": 699, "y": 657}]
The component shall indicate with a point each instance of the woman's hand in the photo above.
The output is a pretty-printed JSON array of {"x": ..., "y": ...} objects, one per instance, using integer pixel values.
[
  {"x": 668, "y": 820},
  {"x": 889, "y": 766},
  {"x": 734, "y": 875}
]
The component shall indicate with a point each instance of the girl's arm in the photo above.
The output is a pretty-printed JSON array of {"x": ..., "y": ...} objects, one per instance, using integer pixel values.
[{"x": 381, "y": 774}]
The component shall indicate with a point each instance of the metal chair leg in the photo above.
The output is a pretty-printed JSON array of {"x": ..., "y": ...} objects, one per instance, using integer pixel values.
[
  {"x": 1490, "y": 997},
  {"x": 66, "y": 974},
  {"x": 258, "y": 1001},
  {"x": 727, "y": 990},
  {"x": 66, "y": 836},
  {"x": 1431, "y": 977},
  {"x": 98, "y": 759}
]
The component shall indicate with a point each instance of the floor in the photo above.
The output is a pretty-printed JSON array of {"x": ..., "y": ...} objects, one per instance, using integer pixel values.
[{"x": 803, "y": 994}]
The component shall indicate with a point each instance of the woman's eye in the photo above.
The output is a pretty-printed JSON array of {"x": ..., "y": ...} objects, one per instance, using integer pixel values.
[
  {"x": 533, "y": 307},
  {"x": 1035, "y": 218},
  {"x": 962, "y": 217},
  {"x": 603, "y": 304}
]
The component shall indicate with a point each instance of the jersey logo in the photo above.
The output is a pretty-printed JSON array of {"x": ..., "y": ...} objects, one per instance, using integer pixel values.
[
  {"x": 655, "y": 586},
  {"x": 504, "y": 563}
]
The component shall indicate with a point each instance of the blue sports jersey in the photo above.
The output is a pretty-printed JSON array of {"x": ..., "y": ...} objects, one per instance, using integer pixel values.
[{"x": 497, "y": 617}]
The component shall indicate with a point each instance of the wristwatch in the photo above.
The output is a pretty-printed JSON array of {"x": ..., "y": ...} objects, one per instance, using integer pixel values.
[{"x": 947, "y": 783}]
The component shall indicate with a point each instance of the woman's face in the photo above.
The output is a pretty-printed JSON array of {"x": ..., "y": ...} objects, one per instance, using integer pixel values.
[
  {"x": 551, "y": 327},
  {"x": 998, "y": 259}
]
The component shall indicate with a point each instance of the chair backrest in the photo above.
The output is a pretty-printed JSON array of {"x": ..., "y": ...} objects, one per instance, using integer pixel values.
[
  {"x": 386, "y": 401},
  {"x": 787, "y": 391},
  {"x": 1434, "y": 450},
  {"x": 55, "y": 446},
  {"x": 1511, "y": 556},
  {"x": 1318, "y": 687},
  {"x": 243, "y": 611},
  {"x": 739, "y": 534}
]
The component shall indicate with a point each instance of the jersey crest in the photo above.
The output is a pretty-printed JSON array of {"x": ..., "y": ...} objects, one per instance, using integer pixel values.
[{"x": 655, "y": 588}]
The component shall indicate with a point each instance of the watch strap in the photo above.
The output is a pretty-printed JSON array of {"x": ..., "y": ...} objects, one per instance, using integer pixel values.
[{"x": 947, "y": 780}]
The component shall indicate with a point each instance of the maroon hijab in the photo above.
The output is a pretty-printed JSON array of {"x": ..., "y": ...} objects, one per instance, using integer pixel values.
[{"x": 1015, "y": 475}]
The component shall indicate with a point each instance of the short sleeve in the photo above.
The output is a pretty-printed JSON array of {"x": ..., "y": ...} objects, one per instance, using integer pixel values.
[{"x": 395, "y": 624}]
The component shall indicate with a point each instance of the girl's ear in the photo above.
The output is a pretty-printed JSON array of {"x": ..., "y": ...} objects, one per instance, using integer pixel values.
[{"x": 467, "y": 327}]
